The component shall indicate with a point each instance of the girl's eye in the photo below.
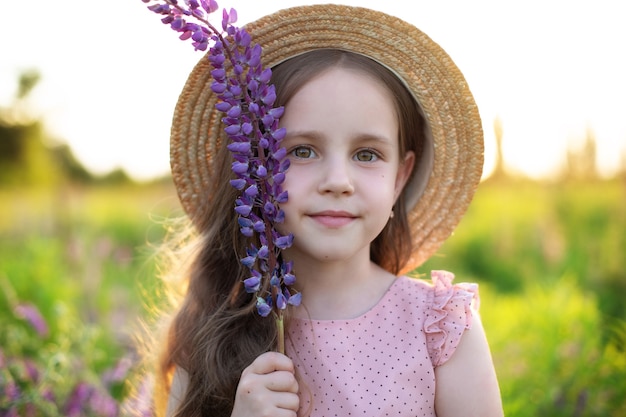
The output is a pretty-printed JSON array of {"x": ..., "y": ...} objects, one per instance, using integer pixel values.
[
  {"x": 366, "y": 155},
  {"x": 303, "y": 152}
]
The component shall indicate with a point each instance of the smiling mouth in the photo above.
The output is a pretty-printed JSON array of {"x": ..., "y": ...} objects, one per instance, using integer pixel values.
[{"x": 333, "y": 219}]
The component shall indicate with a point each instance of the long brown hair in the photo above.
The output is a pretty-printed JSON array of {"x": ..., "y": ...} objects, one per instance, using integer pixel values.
[{"x": 216, "y": 332}]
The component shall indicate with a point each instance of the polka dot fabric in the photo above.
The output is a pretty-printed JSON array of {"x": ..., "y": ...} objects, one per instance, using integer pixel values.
[{"x": 382, "y": 363}]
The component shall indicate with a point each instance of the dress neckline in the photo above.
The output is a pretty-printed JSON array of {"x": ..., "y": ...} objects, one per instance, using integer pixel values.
[{"x": 377, "y": 306}]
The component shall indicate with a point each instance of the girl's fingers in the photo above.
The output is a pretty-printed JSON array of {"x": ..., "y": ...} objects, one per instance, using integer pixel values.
[
  {"x": 268, "y": 387},
  {"x": 288, "y": 401},
  {"x": 277, "y": 381},
  {"x": 281, "y": 412},
  {"x": 277, "y": 371},
  {"x": 270, "y": 362},
  {"x": 281, "y": 381}
]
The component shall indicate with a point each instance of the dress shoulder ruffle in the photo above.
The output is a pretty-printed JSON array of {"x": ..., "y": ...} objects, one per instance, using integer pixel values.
[{"x": 449, "y": 314}]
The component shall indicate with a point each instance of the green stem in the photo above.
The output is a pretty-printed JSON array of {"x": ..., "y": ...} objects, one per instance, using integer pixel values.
[{"x": 281, "y": 332}]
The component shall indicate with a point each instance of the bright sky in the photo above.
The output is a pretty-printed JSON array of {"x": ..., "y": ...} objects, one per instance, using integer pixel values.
[{"x": 111, "y": 73}]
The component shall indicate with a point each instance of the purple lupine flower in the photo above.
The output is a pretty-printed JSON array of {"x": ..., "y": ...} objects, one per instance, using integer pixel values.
[
  {"x": 31, "y": 314},
  {"x": 75, "y": 404},
  {"x": 253, "y": 284},
  {"x": 295, "y": 300},
  {"x": 12, "y": 412},
  {"x": 281, "y": 301},
  {"x": 246, "y": 98},
  {"x": 289, "y": 278},
  {"x": 12, "y": 391},
  {"x": 102, "y": 404},
  {"x": 263, "y": 307},
  {"x": 284, "y": 242},
  {"x": 239, "y": 183},
  {"x": 48, "y": 395},
  {"x": 31, "y": 370},
  {"x": 118, "y": 373}
]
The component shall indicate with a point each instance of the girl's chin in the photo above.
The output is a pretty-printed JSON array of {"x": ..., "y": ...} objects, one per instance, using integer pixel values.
[{"x": 323, "y": 253}]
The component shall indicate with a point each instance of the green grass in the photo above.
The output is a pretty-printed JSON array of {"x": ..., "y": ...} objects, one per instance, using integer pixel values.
[
  {"x": 549, "y": 352},
  {"x": 88, "y": 248},
  {"x": 549, "y": 259},
  {"x": 83, "y": 257},
  {"x": 520, "y": 233},
  {"x": 551, "y": 262}
]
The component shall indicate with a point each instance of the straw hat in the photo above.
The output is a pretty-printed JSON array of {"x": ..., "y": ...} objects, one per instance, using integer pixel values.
[{"x": 451, "y": 164}]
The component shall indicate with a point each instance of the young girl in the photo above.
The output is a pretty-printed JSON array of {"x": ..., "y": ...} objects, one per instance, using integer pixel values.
[{"x": 385, "y": 146}]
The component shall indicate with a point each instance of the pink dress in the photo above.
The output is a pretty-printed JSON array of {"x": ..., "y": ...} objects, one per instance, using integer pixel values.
[{"x": 382, "y": 362}]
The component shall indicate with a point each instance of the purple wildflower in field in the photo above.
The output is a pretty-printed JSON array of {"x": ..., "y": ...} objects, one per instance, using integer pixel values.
[
  {"x": 118, "y": 373},
  {"x": 11, "y": 412},
  {"x": 251, "y": 123},
  {"x": 26, "y": 391},
  {"x": 31, "y": 314},
  {"x": 11, "y": 391},
  {"x": 86, "y": 399},
  {"x": 103, "y": 405},
  {"x": 31, "y": 371},
  {"x": 78, "y": 398}
]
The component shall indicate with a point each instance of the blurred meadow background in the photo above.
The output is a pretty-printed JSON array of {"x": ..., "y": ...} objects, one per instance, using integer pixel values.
[
  {"x": 78, "y": 235},
  {"x": 78, "y": 275}
]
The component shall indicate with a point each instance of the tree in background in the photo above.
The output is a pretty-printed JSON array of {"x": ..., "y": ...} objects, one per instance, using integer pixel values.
[
  {"x": 581, "y": 163},
  {"x": 499, "y": 171},
  {"x": 23, "y": 158},
  {"x": 29, "y": 157}
]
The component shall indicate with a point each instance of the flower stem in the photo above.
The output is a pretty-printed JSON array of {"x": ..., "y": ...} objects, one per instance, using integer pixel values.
[{"x": 280, "y": 325}]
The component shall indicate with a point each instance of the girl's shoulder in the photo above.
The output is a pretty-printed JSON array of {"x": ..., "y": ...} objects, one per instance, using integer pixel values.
[
  {"x": 440, "y": 292},
  {"x": 447, "y": 309}
]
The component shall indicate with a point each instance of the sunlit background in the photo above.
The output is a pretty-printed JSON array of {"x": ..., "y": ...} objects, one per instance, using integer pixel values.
[
  {"x": 87, "y": 90},
  {"x": 552, "y": 71}
]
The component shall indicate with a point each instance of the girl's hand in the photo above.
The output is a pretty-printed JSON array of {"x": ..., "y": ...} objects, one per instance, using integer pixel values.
[{"x": 268, "y": 388}]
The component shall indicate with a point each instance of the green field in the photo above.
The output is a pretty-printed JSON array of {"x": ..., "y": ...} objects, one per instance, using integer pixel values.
[{"x": 550, "y": 260}]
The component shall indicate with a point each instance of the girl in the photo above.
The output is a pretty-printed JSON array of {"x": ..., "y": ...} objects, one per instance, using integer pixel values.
[{"x": 385, "y": 146}]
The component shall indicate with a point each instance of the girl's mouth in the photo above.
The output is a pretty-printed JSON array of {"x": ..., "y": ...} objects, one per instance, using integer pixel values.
[{"x": 333, "y": 219}]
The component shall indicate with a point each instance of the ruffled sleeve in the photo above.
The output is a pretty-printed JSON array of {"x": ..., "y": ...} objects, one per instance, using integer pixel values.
[{"x": 448, "y": 316}]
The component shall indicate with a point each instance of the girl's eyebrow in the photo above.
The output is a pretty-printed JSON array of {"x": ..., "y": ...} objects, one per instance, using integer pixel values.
[
  {"x": 357, "y": 138},
  {"x": 311, "y": 134},
  {"x": 374, "y": 138}
]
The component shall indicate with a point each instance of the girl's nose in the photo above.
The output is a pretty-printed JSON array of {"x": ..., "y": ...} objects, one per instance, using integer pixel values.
[{"x": 337, "y": 177}]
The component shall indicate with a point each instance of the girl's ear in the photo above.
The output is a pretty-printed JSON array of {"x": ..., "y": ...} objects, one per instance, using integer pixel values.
[{"x": 404, "y": 172}]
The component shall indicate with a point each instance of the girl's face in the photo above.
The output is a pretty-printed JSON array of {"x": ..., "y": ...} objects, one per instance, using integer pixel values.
[{"x": 346, "y": 171}]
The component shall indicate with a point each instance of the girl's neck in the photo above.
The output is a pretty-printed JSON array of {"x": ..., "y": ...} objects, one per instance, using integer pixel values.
[{"x": 340, "y": 290}]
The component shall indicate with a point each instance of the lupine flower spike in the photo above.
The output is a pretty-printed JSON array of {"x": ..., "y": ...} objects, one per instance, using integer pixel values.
[{"x": 246, "y": 98}]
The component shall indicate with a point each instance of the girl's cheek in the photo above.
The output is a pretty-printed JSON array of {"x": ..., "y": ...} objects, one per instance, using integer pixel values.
[{"x": 282, "y": 228}]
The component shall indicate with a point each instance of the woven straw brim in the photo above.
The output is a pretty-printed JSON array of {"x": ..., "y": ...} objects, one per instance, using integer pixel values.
[{"x": 425, "y": 68}]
